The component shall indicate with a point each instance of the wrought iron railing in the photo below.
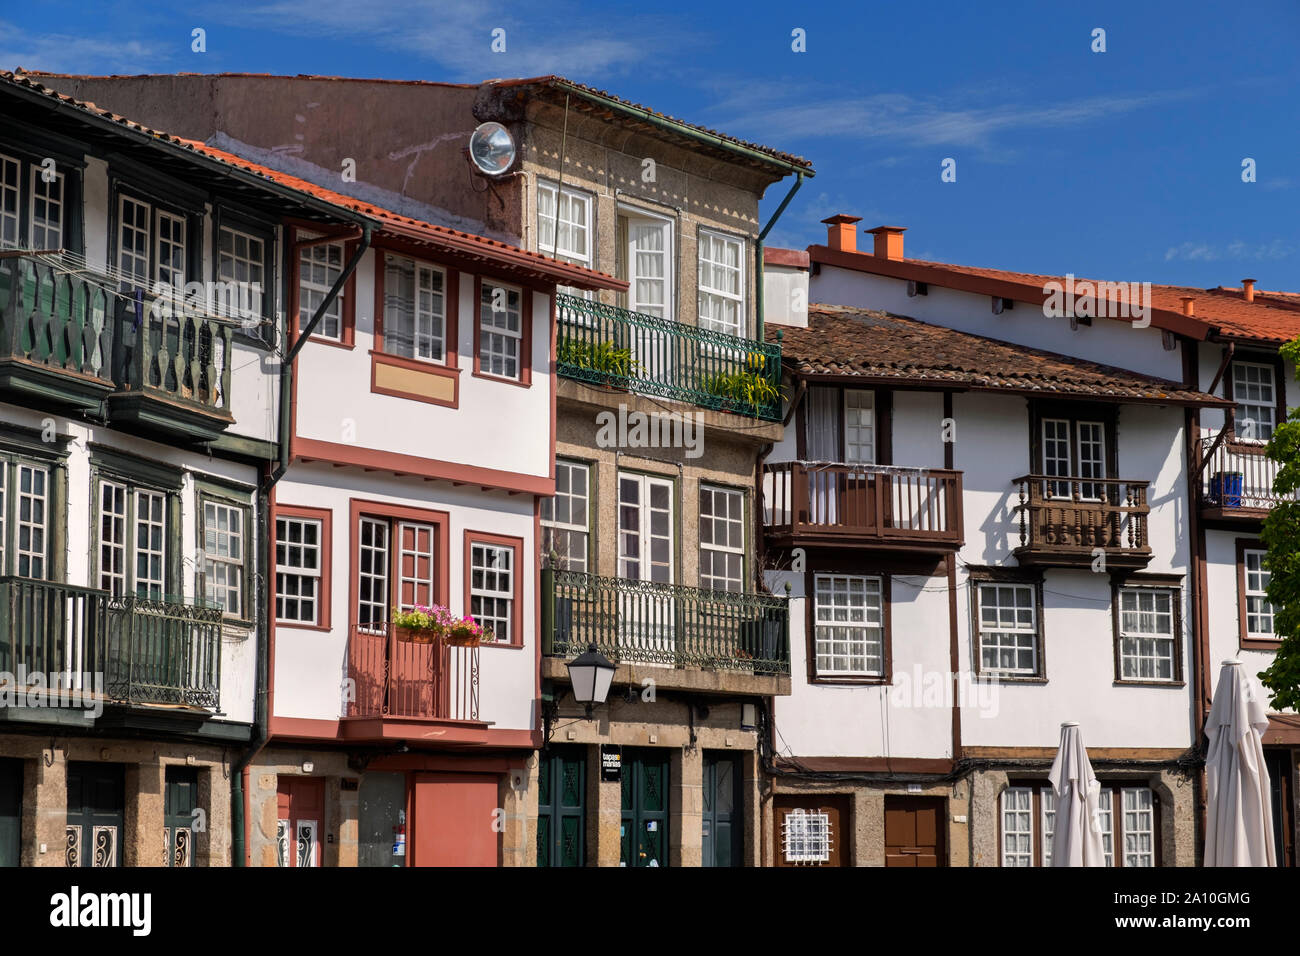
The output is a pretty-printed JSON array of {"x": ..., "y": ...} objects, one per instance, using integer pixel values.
[
  {"x": 164, "y": 651},
  {"x": 607, "y": 346},
  {"x": 55, "y": 319},
  {"x": 872, "y": 502},
  {"x": 1082, "y": 513},
  {"x": 155, "y": 652},
  {"x": 1238, "y": 476},
  {"x": 670, "y": 624},
  {"x": 396, "y": 678}
]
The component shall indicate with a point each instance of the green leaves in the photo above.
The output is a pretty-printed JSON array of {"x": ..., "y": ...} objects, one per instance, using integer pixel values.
[
  {"x": 751, "y": 389},
  {"x": 604, "y": 357},
  {"x": 1281, "y": 536}
]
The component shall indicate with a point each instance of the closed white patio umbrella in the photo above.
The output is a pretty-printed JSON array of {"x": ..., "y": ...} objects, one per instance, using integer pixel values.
[
  {"x": 1076, "y": 837},
  {"x": 1239, "y": 813}
]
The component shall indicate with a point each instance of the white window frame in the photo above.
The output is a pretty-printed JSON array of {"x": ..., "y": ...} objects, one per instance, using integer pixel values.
[
  {"x": 859, "y": 415},
  {"x": 721, "y": 551},
  {"x": 1002, "y": 628},
  {"x": 1016, "y": 806},
  {"x": 11, "y": 201},
  {"x": 220, "y": 592},
  {"x": 500, "y": 341},
  {"x": 1257, "y": 595},
  {"x": 312, "y": 259},
  {"x": 709, "y": 241},
  {"x": 1032, "y": 808},
  {"x": 384, "y": 549},
  {"x": 32, "y": 533},
  {"x": 166, "y": 271},
  {"x": 806, "y": 837},
  {"x": 577, "y": 504},
  {"x": 636, "y": 216},
  {"x": 286, "y": 569},
  {"x": 1095, "y": 465},
  {"x": 1057, "y": 489},
  {"x": 138, "y": 256},
  {"x": 1262, "y": 428},
  {"x": 40, "y": 191},
  {"x": 246, "y": 303},
  {"x": 571, "y": 198},
  {"x": 483, "y": 596},
  {"x": 1140, "y": 638},
  {"x": 1142, "y": 815},
  {"x": 155, "y": 587},
  {"x": 849, "y": 625},
  {"x": 427, "y": 345},
  {"x": 643, "y": 533}
]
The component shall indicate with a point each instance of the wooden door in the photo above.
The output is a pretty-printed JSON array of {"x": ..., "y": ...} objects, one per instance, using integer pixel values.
[
  {"x": 723, "y": 824},
  {"x": 645, "y": 808},
  {"x": 561, "y": 807},
  {"x": 1281, "y": 791},
  {"x": 300, "y": 821},
  {"x": 452, "y": 819},
  {"x": 11, "y": 805},
  {"x": 179, "y": 802},
  {"x": 95, "y": 820},
  {"x": 914, "y": 829},
  {"x": 811, "y": 830}
]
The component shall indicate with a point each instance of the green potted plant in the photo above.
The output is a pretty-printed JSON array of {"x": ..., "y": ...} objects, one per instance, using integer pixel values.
[
  {"x": 613, "y": 365},
  {"x": 420, "y": 625}
]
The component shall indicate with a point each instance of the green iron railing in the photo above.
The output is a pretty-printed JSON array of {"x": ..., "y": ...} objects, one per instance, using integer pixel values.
[
  {"x": 55, "y": 319},
  {"x": 643, "y": 622},
  {"x": 156, "y": 652},
  {"x": 616, "y": 348},
  {"x": 174, "y": 353}
]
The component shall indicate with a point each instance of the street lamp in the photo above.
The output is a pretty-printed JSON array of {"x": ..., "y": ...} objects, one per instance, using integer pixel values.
[{"x": 591, "y": 674}]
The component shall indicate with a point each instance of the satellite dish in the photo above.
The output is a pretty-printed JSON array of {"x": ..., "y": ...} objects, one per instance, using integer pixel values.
[{"x": 492, "y": 149}]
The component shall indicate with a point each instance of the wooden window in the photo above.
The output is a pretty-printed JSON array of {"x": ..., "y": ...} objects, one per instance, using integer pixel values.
[
  {"x": 644, "y": 247},
  {"x": 859, "y": 426},
  {"x": 1007, "y": 616},
  {"x": 849, "y": 621},
  {"x": 25, "y": 546},
  {"x": 1254, "y": 389},
  {"x": 1148, "y": 630},
  {"x": 1128, "y": 816},
  {"x": 494, "y": 585},
  {"x": 133, "y": 540},
  {"x": 721, "y": 279},
  {"x": 415, "y": 309},
  {"x": 319, "y": 267},
  {"x": 722, "y": 538},
  {"x": 500, "y": 331},
  {"x": 224, "y": 556},
  {"x": 10, "y": 201},
  {"x": 302, "y": 566},
  {"x": 573, "y": 243},
  {"x": 47, "y": 212},
  {"x": 133, "y": 227},
  {"x": 645, "y": 528},
  {"x": 566, "y": 518},
  {"x": 400, "y": 556},
  {"x": 152, "y": 245},
  {"x": 241, "y": 267},
  {"x": 806, "y": 836},
  {"x": 1254, "y": 611}
]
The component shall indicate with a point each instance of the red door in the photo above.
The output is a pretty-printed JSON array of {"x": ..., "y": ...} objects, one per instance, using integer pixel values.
[
  {"x": 299, "y": 821},
  {"x": 454, "y": 820}
]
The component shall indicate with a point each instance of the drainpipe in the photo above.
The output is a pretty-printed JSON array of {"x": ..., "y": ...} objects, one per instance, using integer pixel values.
[
  {"x": 240, "y": 773},
  {"x": 758, "y": 250}
]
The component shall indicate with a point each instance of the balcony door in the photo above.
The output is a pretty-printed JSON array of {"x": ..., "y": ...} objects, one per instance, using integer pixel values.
[
  {"x": 645, "y": 246},
  {"x": 840, "y": 430},
  {"x": 647, "y": 615}
]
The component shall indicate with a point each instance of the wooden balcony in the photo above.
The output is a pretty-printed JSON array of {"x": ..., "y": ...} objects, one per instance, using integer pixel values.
[
  {"x": 669, "y": 625},
  {"x": 131, "y": 650},
  {"x": 56, "y": 334},
  {"x": 1237, "y": 481},
  {"x": 400, "y": 679},
  {"x": 1071, "y": 522},
  {"x": 838, "y": 505}
]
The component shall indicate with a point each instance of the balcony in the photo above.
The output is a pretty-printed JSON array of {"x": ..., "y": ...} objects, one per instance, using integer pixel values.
[
  {"x": 684, "y": 637},
  {"x": 131, "y": 650},
  {"x": 838, "y": 505},
  {"x": 69, "y": 338},
  {"x": 1064, "y": 522},
  {"x": 56, "y": 334},
  {"x": 398, "y": 684},
  {"x": 1237, "y": 481},
  {"x": 617, "y": 349}
]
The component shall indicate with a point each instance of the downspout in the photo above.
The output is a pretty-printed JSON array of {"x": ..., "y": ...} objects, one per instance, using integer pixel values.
[
  {"x": 758, "y": 251},
  {"x": 240, "y": 791}
]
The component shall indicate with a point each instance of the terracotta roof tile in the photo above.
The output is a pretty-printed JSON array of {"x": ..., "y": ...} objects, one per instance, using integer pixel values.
[{"x": 881, "y": 346}]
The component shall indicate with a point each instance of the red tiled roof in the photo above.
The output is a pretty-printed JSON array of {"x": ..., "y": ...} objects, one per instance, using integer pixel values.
[
  {"x": 1270, "y": 320},
  {"x": 540, "y": 82},
  {"x": 883, "y": 347},
  {"x": 450, "y": 240}
]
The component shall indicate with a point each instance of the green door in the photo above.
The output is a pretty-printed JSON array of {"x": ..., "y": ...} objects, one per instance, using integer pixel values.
[
  {"x": 181, "y": 799},
  {"x": 95, "y": 818},
  {"x": 11, "y": 808},
  {"x": 645, "y": 808},
  {"x": 723, "y": 822},
  {"x": 561, "y": 807}
]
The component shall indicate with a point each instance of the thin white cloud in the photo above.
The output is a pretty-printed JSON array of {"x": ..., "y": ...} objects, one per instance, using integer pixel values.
[
  {"x": 65, "y": 53},
  {"x": 1236, "y": 249}
]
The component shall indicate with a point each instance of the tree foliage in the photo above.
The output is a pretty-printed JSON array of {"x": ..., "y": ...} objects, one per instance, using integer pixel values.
[{"x": 1281, "y": 536}]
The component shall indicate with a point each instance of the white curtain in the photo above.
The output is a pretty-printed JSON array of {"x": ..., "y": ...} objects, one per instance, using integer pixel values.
[{"x": 822, "y": 427}]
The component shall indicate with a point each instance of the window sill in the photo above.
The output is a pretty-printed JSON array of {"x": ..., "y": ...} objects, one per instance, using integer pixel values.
[
  {"x": 845, "y": 679},
  {"x": 236, "y": 629},
  {"x": 333, "y": 343},
  {"x": 1260, "y": 643},
  {"x": 1122, "y": 682},
  {"x": 300, "y": 626},
  {"x": 1009, "y": 678},
  {"x": 447, "y": 367},
  {"x": 518, "y": 382},
  {"x": 503, "y": 646}
]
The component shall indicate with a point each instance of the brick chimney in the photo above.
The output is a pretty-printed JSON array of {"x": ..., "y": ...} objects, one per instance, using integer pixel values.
[
  {"x": 840, "y": 234},
  {"x": 1189, "y": 305},
  {"x": 889, "y": 241},
  {"x": 1248, "y": 289}
]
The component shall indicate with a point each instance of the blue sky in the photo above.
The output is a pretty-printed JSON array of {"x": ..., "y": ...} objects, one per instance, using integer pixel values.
[{"x": 1124, "y": 164}]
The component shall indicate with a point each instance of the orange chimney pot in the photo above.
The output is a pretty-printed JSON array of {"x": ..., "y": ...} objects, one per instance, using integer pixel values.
[
  {"x": 1248, "y": 289},
  {"x": 1189, "y": 305},
  {"x": 840, "y": 234},
  {"x": 889, "y": 241}
]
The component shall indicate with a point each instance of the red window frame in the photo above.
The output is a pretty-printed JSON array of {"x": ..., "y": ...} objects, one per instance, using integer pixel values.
[
  {"x": 440, "y": 520},
  {"x": 326, "y": 518},
  {"x": 525, "y": 379},
  {"x": 517, "y": 584}
]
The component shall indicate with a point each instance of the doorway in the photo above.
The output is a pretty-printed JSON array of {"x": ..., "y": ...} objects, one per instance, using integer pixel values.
[
  {"x": 914, "y": 831},
  {"x": 645, "y": 808},
  {"x": 11, "y": 809},
  {"x": 724, "y": 820},
  {"x": 811, "y": 830},
  {"x": 299, "y": 821},
  {"x": 95, "y": 820},
  {"x": 1282, "y": 792},
  {"x": 562, "y": 807},
  {"x": 180, "y": 799}
]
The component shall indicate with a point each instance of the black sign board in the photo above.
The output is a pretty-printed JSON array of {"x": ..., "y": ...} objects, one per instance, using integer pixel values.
[{"x": 611, "y": 762}]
